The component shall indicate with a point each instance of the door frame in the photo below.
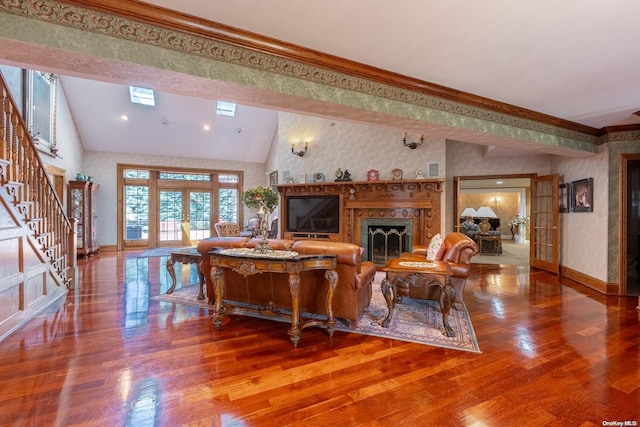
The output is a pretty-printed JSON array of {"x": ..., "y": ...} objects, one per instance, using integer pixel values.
[
  {"x": 622, "y": 220},
  {"x": 456, "y": 190}
]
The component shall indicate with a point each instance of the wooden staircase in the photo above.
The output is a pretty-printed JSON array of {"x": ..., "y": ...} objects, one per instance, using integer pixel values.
[{"x": 37, "y": 240}]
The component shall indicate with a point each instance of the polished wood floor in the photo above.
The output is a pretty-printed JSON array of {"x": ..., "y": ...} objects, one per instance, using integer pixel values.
[{"x": 553, "y": 353}]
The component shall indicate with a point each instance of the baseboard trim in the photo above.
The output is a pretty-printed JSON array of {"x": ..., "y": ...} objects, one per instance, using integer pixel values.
[{"x": 601, "y": 286}]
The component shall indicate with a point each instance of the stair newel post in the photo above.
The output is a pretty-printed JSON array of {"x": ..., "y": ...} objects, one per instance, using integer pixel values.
[{"x": 72, "y": 260}]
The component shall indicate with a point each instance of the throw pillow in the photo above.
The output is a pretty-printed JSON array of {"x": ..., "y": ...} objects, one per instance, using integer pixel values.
[{"x": 436, "y": 248}]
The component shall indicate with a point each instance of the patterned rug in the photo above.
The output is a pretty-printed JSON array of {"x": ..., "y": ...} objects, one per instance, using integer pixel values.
[
  {"x": 159, "y": 252},
  {"x": 414, "y": 320}
]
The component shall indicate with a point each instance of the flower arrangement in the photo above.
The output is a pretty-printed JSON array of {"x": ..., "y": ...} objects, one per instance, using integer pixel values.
[
  {"x": 255, "y": 196},
  {"x": 518, "y": 221}
]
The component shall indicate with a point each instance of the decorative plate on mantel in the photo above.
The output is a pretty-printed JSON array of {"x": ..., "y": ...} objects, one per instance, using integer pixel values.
[{"x": 372, "y": 175}]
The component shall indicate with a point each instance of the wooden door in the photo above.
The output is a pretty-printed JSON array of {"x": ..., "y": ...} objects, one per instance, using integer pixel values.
[{"x": 545, "y": 217}]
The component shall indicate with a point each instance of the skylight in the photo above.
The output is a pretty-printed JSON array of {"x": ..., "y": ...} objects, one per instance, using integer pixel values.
[
  {"x": 141, "y": 95},
  {"x": 226, "y": 108}
]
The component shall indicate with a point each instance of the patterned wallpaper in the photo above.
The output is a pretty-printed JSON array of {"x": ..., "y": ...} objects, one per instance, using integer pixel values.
[
  {"x": 583, "y": 233},
  {"x": 337, "y": 144}
]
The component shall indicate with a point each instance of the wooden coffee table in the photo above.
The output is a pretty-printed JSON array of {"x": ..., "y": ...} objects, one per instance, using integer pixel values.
[{"x": 411, "y": 278}]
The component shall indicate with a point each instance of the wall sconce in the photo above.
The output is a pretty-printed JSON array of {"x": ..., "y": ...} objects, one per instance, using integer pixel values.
[
  {"x": 412, "y": 145},
  {"x": 300, "y": 153}
]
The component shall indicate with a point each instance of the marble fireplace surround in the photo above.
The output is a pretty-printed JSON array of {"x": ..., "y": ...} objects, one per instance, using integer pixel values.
[{"x": 415, "y": 204}]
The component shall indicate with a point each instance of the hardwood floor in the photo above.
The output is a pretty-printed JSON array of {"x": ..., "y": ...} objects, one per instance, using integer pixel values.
[{"x": 553, "y": 353}]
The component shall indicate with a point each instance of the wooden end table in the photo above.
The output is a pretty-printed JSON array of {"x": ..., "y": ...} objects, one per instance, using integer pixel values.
[
  {"x": 186, "y": 256},
  {"x": 248, "y": 265},
  {"x": 404, "y": 278},
  {"x": 494, "y": 242}
]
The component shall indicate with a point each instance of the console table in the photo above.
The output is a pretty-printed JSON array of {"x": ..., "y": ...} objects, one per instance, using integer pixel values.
[
  {"x": 248, "y": 265},
  {"x": 411, "y": 278}
]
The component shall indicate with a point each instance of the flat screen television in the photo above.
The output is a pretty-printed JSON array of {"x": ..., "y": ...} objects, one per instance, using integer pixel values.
[{"x": 313, "y": 214}]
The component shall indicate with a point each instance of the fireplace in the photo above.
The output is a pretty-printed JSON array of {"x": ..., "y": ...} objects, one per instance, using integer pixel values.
[
  {"x": 385, "y": 239},
  {"x": 369, "y": 205}
]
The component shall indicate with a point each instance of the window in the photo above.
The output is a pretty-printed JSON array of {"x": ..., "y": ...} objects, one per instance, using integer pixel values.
[
  {"x": 141, "y": 95},
  {"x": 226, "y": 109}
]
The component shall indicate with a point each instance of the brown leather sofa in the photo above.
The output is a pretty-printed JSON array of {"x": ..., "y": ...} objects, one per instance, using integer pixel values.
[
  {"x": 459, "y": 249},
  {"x": 351, "y": 297}
]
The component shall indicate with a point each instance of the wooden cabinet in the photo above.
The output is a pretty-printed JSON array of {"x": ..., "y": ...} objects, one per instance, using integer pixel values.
[{"x": 83, "y": 207}]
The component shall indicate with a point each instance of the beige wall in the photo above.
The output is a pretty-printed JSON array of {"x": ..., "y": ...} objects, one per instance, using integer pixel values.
[
  {"x": 584, "y": 235},
  {"x": 504, "y": 204}
]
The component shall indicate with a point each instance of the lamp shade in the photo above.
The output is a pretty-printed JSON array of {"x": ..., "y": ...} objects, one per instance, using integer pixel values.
[
  {"x": 485, "y": 212},
  {"x": 468, "y": 212}
]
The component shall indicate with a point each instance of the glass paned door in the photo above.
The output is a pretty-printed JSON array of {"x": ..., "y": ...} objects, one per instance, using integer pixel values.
[
  {"x": 183, "y": 223},
  {"x": 170, "y": 226},
  {"x": 544, "y": 222},
  {"x": 199, "y": 215},
  {"x": 136, "y": 208}
]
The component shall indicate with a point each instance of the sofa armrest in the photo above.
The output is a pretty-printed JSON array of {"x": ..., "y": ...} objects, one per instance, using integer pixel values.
[
  {"x": 206, "y": 245},
  {"x": 419, "y": 250},
  {"x": 367, "y": 274}
]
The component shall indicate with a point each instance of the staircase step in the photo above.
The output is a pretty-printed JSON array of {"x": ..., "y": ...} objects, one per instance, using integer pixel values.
[
  {"x": 23, "y": 208},
  {"x": 42, "y": 238},
  {"x": 12, "y": 187},
  {"x": 3, "y": 169},
  {"x": 32, "y": 223}
]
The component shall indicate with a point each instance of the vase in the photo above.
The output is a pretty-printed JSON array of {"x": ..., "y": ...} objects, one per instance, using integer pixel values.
[{"x": 263, "y": 245}]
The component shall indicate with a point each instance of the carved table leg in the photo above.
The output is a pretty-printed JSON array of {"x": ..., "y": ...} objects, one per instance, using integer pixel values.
[
  {"x": 389, "y": 291},
  {"x": 332, "y": 278},
  {"x": 201, "y": 277},
  {"x": 218, "y": 292},
  {"x": 294, "y": 288},
  {"x": 447, "y": 296},
  {"x": 172, "y": 273}
]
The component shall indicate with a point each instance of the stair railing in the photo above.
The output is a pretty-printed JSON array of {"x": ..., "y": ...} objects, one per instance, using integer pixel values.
[{"x": 27, "y": 186}]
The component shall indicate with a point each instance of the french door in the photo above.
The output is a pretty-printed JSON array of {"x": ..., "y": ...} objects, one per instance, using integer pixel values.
[
  {"x": 183, "y": 217},
  {"x": 545, "y": 217},
  {"x": 174, "y": 207}
]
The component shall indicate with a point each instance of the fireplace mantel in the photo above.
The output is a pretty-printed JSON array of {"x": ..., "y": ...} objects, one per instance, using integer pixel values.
[{"x": 418, "y": 200}]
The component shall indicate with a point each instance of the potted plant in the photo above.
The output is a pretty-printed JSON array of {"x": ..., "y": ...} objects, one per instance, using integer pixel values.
[
  {"x": 265, "y": 199},
  {"x": 260, "y": 197},
  {"x": 516, "y": 222}
]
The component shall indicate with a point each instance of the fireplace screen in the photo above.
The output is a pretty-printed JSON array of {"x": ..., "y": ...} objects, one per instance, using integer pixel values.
[{"x": 386, "y": 242}]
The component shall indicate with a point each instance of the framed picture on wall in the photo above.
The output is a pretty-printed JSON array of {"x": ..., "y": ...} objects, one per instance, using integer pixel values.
[
  {"x": 273, "y": 180},
  {"x": 582, "y": 195},
  {"x": 563, "y": 197}
]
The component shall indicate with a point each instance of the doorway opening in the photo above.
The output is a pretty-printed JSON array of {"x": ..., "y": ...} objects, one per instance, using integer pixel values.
[{"x": 507, "y": 196}]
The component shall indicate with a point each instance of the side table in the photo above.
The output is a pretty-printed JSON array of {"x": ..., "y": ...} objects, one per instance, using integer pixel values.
[
  {"x": 186, "y": 256},
  {"x": 494, "y": 243},
  {"x": 410, "y": 278}
]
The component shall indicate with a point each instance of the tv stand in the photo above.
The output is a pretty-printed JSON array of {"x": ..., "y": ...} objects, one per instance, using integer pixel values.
[{"x": 312, "y": 236}]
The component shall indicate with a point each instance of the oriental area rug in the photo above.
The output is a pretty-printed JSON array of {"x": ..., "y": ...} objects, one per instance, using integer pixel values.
[{"x": 414, "y": 320}]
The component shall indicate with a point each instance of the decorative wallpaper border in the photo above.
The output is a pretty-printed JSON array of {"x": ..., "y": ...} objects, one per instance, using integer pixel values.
[{"x": 86, "y": 19}]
